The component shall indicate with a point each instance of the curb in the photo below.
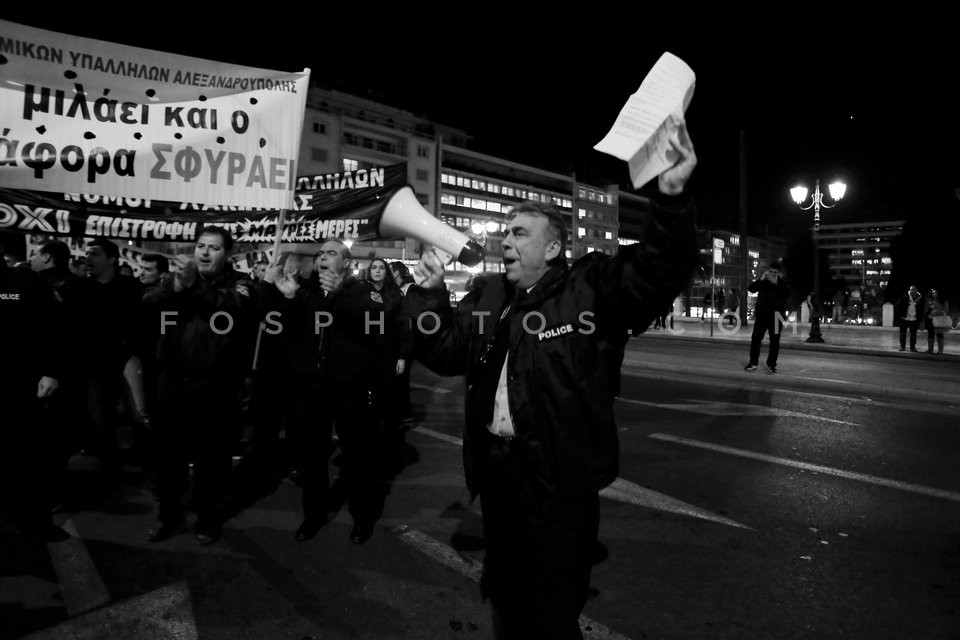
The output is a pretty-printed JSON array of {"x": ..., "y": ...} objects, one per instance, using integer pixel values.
[
  {"x": 865, "y": 391},
  {"x": 825, "y": 347}
]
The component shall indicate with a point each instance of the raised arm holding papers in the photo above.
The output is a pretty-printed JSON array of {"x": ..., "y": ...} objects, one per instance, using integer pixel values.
[{"x": 639, "y": 136}]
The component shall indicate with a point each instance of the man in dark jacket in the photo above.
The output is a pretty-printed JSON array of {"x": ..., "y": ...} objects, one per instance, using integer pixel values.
[
  {"x": 772, "y": 292},
  {"x": 541, "y": 348},
  {"x": 203, "y": 316},
  {"x": 32, "y": 364},
  {"x": 327, "y": 333}
]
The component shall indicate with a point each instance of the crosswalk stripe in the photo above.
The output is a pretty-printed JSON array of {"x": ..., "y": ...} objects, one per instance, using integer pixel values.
[
  {"x": 806, "y": 466},
  {"x": 164, "y": 613},
  {"x": 626, "y": 491},
  {"x": 80, "y": 582},
  {"x": 423, "y": 387},
  {"x": 439, "y": 436},
  {"x": 447, "y": 555}
]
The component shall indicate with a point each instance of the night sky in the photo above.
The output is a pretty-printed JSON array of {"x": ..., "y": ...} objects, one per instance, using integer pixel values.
[{"x": 872, "y": 100}]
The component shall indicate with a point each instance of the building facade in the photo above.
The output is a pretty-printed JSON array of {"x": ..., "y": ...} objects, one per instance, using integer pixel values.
[{"x": 859, "y": 253}]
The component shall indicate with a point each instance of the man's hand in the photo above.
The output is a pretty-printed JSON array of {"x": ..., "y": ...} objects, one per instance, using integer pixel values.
[
  {"x": 287, "y": 285},
  {"x": 186, "y": 272},
  {"x": 673, "y": 179},
  {"x": 401, "y": 365},
  {"x": 46, "y": 387},
  {"x": 429, "y": 271},
  {"x": 329, "y": 281},
  {"x": 272, "y": 274}
]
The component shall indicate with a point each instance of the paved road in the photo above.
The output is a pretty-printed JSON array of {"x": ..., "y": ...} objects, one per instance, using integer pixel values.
[{"x": 819, "y": 502}]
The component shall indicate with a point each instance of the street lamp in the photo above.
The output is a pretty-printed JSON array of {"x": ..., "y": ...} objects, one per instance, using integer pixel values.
[
  {"x": 799, "y": 195},
  {"x": 481, "y": 229}
]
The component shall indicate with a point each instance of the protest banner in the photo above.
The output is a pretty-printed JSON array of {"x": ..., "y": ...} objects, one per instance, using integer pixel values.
[
  {"x": 345, "y": 205},
  {"x": 85, "y": 116}
]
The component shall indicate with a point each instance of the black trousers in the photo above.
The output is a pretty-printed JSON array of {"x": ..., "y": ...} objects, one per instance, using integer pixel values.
[
  {"x": 913, "y": 325},
  {"x": 536, "y": 570},
  {"x": 321, "y": 405},
  {"x": 29, "y": 456},
  {"x": 762, "y": 326},
  {"x": 196, "y": 422}
]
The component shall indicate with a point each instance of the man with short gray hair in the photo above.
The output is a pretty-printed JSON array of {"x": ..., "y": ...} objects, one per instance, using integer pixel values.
[{"x": 541, "y": 347}]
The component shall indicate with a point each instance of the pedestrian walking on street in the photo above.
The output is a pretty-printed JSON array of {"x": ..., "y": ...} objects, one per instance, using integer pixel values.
[
  {"x": 541, "y": 347},
  {"x": 908, "y": 310},
  {"x": 772, "y": 292}
]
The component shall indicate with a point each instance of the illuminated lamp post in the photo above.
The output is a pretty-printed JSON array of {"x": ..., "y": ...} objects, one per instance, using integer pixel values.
[
  {"x": 481, "y": 230},
  {"x": 799, "y": 195}
]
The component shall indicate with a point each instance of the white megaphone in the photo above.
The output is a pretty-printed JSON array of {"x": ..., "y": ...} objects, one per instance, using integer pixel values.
[{"x": 403, "y": 215}]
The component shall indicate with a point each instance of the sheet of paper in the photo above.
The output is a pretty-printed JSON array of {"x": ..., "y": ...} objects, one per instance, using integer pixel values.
[{"x": 639, "y": 136}]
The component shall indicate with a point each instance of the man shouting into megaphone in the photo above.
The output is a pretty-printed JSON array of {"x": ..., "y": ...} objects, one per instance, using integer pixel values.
[{"x": 541, "y": 348}]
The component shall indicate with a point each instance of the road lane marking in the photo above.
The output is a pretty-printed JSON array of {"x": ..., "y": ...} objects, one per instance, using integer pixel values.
[
  {"x": 80, "y": 582},
  {"x": 919, "y": 400},
  {"x": 472, "y": 569},
  {"x": 911, "y": 405},
  {"x": 625, "y": 491},
  {"x": 806, "y": 466},
  {"x": 732, "y": 409},
  {"x": 164, "y": 613}
]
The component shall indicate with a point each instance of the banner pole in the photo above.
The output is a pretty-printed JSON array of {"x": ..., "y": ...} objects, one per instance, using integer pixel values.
[
  {"x": 278, "y": 238},
  {"x": 281, "y": 221}
]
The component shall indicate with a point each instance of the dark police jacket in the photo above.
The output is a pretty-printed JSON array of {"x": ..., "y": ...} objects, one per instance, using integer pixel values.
[
  {"x": 564, "y": 365},
  {"x": 189, "y": 346},
  {"x": 32, "y": 341},
  {"x": 338, "y": 343}
]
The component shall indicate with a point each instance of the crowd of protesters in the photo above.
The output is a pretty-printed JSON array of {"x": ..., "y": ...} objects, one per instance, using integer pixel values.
[{"x": 148, "y": 377}]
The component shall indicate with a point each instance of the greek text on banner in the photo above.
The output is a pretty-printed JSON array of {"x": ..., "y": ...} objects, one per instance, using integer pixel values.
[{"x": 85, "y": 116}]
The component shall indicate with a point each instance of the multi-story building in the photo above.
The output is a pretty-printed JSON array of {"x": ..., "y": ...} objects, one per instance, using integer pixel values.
[
  {"x": 342, "y": 132},
  {"x": 477, "y": 191},
  {"x": 859, "y": 253},
  {"x": 726, "y": 273}
]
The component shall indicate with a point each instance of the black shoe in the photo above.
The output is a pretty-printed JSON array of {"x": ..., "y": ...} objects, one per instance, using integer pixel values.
[
  {"x": 45, "y": 533},
  {"x": 165, "y": 531},
  {"x": 914, "y": 350},
  {"x": 772, "y": 369},
  {"x": 361, "y": 533},
  {"x": 309, "y": 528},
  {"x": 903, "y": 349}
]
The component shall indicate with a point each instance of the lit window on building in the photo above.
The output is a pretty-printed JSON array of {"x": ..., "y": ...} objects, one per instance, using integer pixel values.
[
  {"x": 581, "y": 213},
  {"x": 608, "y": 235},
  {"x": 507, "y": 191},
  {"x": 581, "y": 232},
  {"x": 350, "y": 165},
  {"x": 493, "y": 188}
]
